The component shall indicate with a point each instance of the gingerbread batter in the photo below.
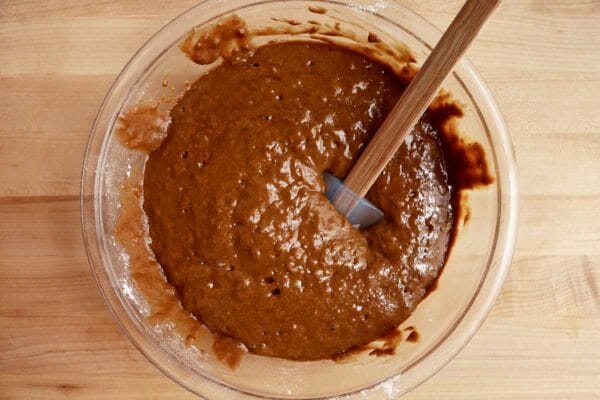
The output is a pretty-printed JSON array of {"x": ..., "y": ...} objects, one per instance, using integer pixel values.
[{"x": 239, "y": 221}]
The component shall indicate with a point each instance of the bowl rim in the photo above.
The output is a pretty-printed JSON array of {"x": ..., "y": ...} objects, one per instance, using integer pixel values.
[{"x": 91, "y": 175}]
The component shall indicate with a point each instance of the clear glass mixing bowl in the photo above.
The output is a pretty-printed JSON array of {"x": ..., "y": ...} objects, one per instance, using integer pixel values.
[{"x": 446, "y": 319}]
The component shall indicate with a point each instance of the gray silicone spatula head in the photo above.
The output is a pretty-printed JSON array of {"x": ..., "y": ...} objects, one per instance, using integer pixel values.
[{"x": 361, "y": 213}]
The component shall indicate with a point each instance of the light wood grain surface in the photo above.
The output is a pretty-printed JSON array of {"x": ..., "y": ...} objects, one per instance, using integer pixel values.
[{"x": 57, "y": 338}]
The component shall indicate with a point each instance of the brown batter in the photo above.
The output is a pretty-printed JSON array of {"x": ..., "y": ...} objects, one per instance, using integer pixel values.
[{"x": 241, "y": 227}]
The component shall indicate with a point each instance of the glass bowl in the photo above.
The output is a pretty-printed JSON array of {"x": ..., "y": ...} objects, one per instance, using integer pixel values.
[{"x": 445, "y": 320}]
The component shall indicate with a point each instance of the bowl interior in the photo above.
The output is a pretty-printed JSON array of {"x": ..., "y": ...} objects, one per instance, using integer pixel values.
[{"x": 445, "y": 320}]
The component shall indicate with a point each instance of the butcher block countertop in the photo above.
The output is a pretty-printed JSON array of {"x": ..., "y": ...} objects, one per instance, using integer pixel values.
[{"x": 58, "y": 340}]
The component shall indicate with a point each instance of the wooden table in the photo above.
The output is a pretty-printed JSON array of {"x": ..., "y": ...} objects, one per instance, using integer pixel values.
[{"x": 57, "y": 338}]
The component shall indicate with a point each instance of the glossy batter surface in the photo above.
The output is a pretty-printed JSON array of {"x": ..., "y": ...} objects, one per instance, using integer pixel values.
[{"x": 241, "y": 227}]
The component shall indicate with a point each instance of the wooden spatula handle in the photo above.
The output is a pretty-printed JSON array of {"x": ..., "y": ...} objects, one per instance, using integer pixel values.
[{"x": 419, "y": 94}]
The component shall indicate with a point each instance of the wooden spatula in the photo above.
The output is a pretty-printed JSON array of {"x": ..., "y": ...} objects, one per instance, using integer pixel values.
[{"x": 348, "y": 199}]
